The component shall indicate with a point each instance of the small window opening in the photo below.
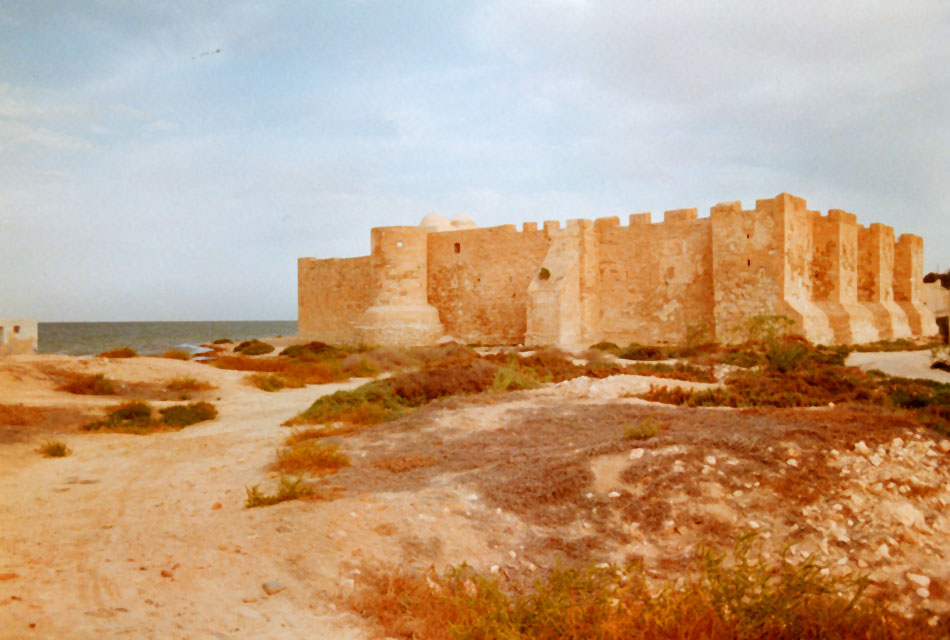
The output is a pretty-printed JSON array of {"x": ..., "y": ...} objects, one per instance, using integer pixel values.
[
  {"x": 16, "y": 328},
  {"x": 748, "y": 235},
  {"x": 544, "y": 274},
  {"x": 399, "y": 244},
  {"x": 458, "y": 247},
  {"x": 748, "y": 263}
]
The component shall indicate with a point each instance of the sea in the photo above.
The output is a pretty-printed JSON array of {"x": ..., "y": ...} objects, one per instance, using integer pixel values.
[{"x": 90, "y": 338}]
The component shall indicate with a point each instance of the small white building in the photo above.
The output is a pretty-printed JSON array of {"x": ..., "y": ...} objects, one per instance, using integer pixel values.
[{"x": 18, "y": 336}]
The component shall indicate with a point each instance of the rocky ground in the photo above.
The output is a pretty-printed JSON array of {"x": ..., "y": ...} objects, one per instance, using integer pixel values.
[{"x": 148, "y": 537}]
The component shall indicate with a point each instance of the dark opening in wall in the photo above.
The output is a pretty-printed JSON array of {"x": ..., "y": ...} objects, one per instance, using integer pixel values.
[
  {"x": 748, "y": 263},
  {"x": 16, "y": 328},
  {"x": 458, "y": 247}
]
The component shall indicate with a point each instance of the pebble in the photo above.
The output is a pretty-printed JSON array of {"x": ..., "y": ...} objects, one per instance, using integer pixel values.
[
  {"x": 494, "y": 569},
  {"x": 862, "y": 448},
  {"x": 923, "y": 593},
  {"x": 613, "y": 494},
  {"x": 272, "y": 586},
  {"x": 636, "y": 454},
  {"x": 710, "y": 460},
  {"x": 944, "y": 445},
  {"x": 876, "y": 460},
  {"x": 916, "y": 578},
  {"x": 792, "y": 462}
]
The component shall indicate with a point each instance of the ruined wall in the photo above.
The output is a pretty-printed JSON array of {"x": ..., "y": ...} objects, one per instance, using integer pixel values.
[
  {"x": 331, "y": 295},
  {"x": 18, "y": 336},
  {"x": 655, "y": 279},
  {"x": 478, "y": 280}
]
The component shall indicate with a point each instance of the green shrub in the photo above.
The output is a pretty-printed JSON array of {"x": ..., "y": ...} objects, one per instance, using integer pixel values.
[
  {"x": 128, "y": 417},
  {"x": 643, "y": 430},
  {"x": 184, "y": 415},
  {"x": 182, "y": 383},
  {"x": 288, "y": 489},
  {"x": 273, "y": 381},
  {"x": 54, "y": 449},
  {"x": 253, "y": 348},
  {"x": 609, "y": 347}
]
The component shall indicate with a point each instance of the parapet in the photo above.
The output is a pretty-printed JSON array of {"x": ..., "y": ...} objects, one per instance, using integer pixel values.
[{"x": 18, "y": 336}]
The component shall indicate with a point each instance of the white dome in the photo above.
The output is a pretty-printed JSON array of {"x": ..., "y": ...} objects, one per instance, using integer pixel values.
[
  {"x": 435, "y": 222},
  {"x": 463, "y": 221}
]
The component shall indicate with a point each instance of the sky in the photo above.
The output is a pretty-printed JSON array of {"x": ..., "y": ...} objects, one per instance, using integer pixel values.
[{"x": 172, "y": 160}]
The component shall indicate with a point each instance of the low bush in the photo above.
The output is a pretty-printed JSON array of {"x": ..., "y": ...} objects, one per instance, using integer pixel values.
[
  {"x": 176, "y": 354},
  {"x": 273, "y": 381},
  {"x": 744, "y": 598},
  {"x": 54, "y": 449},
  {"x": 222, "y": 341},
  {"x": 310, "y": 456},
  {"x": 183, "y": 415},
  {"x": 91, "y": 385},
  {"x": 643, "y": 430},
  {"x": 188, "y": 384},
  {"x": 136, "y": 417},
  {"x": 253, "y": 348},
  {"x": 288, "y": 489},
  {"x": 122, "y": 352},
  {"x": 636, "y": 351},
  {"x": 609, "y": 347},
  {"x": 899, "y": 344}
]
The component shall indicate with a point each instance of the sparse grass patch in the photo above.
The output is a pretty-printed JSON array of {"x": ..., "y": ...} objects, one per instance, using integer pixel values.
[
  {"x": 121, "y": 352},
  {"x": 288, "y": 489},
  {"x": 401, "y": 464},
  {"x": 743, "y": 599},
  {"x": 176, "y": 354},
  {"x": 253, "y": 348},
  {"x": 899, "y": 344},
  {"x": 188, "y": 384},
  {"x": 310, "y": 456},
  {"x": 643, "y": 430},
  {"x": 90, "y": 385},
  {"x": 273, "y": 381},
  {"x": 54, "y": 449}
]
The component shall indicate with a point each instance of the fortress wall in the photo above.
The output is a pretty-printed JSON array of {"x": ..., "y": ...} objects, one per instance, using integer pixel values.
[
  {"x": 834, "y": 277},
  {"x": 479, "y": 278},
  {"x": 876, "y": 281},
  {"x": 908, "y": 279},
  {"x": 331, "y": 295},
  {"x": 748, "y": 265},
  {"x": 656, "y": 280}
]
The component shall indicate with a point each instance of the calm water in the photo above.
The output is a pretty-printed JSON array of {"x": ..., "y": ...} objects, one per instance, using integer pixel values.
[{"x": 90, "y": 338}]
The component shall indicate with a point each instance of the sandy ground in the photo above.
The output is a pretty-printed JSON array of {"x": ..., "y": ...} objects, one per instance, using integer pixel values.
[
  {"x": 906, "y": 364},
  {"x": 148, "y": 537}
]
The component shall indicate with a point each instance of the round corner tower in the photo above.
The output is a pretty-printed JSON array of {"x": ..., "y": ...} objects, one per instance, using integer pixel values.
[{"x": 400, "y": 313}]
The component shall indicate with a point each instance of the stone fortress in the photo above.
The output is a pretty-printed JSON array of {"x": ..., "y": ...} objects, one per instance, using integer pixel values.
[{"x": 645, "y": 282}]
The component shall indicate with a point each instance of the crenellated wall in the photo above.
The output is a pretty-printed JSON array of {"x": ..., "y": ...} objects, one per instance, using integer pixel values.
[
  {"x": 18, "y": 336},
  {"x": 644, "y": 282}
]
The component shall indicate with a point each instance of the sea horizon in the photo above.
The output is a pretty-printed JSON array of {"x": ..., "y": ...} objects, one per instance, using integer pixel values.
[{"x": 84, "y": 338}]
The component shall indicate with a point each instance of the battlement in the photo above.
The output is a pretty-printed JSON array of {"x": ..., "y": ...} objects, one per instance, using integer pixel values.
[{"x": 583, "y": 281}]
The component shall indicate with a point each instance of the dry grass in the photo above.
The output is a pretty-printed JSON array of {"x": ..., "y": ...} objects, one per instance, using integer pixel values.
[
  {"x": 183, "y": 383},
  {"x": 253, "y": 348},
  {"x": 54, "y": 449},
  {"x": 89, "y": 384},
  {"x": 288, "y": 489},
  {"x": 738, "y": 598},
  {"x": 273, "y": 381},
  {"x": 310, "y": 456},
  {"x": 176, "y": 354},
  {"x": 18, "y": 415},
  {"x": 122, "y": 352},
  {"x": 401, "y": 464}
]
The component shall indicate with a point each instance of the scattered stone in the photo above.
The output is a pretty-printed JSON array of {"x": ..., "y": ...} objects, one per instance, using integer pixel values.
[
  {"x": 792, "y": 462},
  {"x": 944, "y": 446},
  {"x": 861, "y": 448},
  {"x": 494, "y": 569},
  {"x": 636, "y": 454},
  {"x": 876, "y": 460},
  {"x": 918, "y": 579},
  {"x": 271, "y": 587},
  {"x": 613, "y": 494},
  {"x": 923, "y": 593},
  {"x": 710, "y": 460},
  {"x": 166, "y": 573}
]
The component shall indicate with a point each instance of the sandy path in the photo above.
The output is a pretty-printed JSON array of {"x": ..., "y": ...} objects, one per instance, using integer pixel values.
[{"x": 84, "y": 540}]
